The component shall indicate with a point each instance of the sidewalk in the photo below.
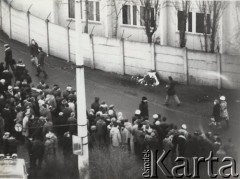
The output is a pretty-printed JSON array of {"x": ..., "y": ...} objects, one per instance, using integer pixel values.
[{"x": 126, "y": 95}]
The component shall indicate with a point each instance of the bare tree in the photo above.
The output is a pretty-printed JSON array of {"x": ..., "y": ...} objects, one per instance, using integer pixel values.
[
  {"x": 151, "y": 14},
  {"x": 212, "y": 11},
  {"x": 86, "y": 16},
  {"x": 183, "y": 8}
]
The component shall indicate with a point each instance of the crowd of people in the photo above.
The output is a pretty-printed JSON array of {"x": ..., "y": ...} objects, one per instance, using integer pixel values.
[
  {"x": 109, "y": 128},
  {"x": 43, "y": 118}
]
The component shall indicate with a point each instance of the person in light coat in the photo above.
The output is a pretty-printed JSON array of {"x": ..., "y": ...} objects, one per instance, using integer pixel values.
[{"x": 115, "y": 136}]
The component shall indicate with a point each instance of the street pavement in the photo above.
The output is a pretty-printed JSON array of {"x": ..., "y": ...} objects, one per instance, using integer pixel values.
[{"x": 126, "y": 95}]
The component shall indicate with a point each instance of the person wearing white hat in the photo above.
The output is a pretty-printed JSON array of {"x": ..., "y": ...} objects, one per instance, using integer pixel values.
[
  {"x": 136, "y": 116},
  {"x": 224, "y": 111},
  {"x": 183, "y": 131}
]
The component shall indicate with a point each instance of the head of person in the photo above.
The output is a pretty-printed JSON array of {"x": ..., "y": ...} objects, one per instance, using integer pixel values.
[
  {"x": 6, "y": 46},
  {"x": 97, "y": 99},
  {"x": 33, "y": 42},
  {"x": 144, "y": 99},
  {"x": 216, "y": 102},
  {"x": 72, "y": 114},
  {"x": 40, "y": 49},
  {"x": 170, "y": 78},
  {"x": 222, "y": 98}
]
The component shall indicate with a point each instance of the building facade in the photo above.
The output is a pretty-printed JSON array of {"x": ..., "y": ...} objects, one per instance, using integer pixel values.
[{"x": 124, "y": 19}]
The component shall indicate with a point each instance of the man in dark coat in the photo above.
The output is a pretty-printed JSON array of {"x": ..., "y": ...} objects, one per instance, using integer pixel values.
[
  {"x": 33, "y": 48},
  {"x": 171, "y": 92},
  {"x": 41, "y": 62},
  {"x": 7, "y": 116},
  {"x": 20, "y": 68},
  {"x": 143, "y": 106},
  {"x": 95, "y": 105},
  {"x": 67, "y": 147},
  {"x": 37, "y": 152},
  {"x": 8, "y": 57},
  {"x": 216, "y": 112},
  {"x": 101, "y": 131}
]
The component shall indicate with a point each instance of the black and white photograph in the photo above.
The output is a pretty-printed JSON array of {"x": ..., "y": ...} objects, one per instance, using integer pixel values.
[{"x": 119, "y": 89}]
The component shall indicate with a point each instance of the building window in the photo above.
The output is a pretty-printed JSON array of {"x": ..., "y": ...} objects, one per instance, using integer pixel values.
[
  {"x": 199, "y": 20},
  {"x": 93, "y": 11},
  {"x": 188, "y": 26},
  {"x": 71, "y": 8},
  {"x": 126, "y": 14},
  {"x": 134, "y": 15},
  {"x": 201, "y": 23},
  {"x": 190, "y": 22},
  {"x": 142, "y": 16}
]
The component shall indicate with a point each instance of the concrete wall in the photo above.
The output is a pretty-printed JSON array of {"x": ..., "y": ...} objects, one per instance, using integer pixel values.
[
  {"x": 170, "y": 62},
  {"x": 230, "y": 71},
  {"x": 125, "y": 57},
  {"x": 202, "y": 68}
]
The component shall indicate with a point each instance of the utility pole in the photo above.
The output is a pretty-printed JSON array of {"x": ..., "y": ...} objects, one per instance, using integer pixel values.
[{"x": 83, "y": 160}]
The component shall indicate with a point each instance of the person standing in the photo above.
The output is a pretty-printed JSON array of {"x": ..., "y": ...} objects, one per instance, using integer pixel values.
[
  {"x": 216, "y": 113},
  {"x": 171, "y": 92},
  {"x": 143, "y": 107},
  {"x": 8, "y": 57},
  {"x": 34, "y": 52},
  {"x": 41, "y": 63},
  {"x": 115, "y": 136},
  {"x": 223, "y": 110}
]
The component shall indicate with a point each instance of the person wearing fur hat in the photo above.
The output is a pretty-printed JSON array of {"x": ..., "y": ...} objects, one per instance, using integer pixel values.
[
  {"x": 137, "y": 116},
  {"x": 143, "y": 107}
]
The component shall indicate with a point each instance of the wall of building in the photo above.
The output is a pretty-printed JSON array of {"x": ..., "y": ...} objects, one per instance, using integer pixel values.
[{"x": 125, "y": 57}]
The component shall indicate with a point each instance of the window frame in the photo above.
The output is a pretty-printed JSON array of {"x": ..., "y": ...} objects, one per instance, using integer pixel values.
[
  {"x": 194, "y": 23},
  {"x": 96, "y": 15}
]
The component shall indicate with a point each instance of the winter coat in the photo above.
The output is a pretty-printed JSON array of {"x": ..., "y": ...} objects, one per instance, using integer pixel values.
[
  {"x": 115, "y": 136},
  {"x": 144, "y": 109},
  {"x": 34, "y": 49},
  {"x": 8, "y": 55},
  {"x": 171, "y": 88},
  {"x": 216, "y": 112},
  {"x": 25, "y": 131},
  {"x": 37, "y": 148},
  {"x": 224, "y": 110}
]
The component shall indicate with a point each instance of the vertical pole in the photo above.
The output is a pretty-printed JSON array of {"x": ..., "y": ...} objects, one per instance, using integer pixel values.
[
  {"x": 153, "y": 59},
  {"x": 83, "y": 160},
  {"x": 185, "y": 61},
  {"x": 47, "y": 28},
  {"x": 10, "y": 20},
  {"x": 1, "y": 15},
  {"x": 123, "y": 55},
  {"x": 68, "y": 44},
  {"x": 219, "y": 69},
  {"x": 28, "y": 24},
  {"x": 93, "y": 52}
]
